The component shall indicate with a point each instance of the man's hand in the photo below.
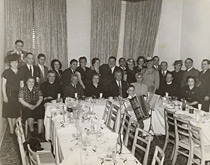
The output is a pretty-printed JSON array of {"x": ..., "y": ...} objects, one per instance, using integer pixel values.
[{"x": 5, "y": 99}]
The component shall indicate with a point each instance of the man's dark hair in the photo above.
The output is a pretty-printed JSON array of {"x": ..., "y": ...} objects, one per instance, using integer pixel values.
[
  {"x": 130, "y": 86},
  {"x": 73, "y": 60},
  {"x": 155, "y": 57},
  {"x": 122, "y": 58},
  {"x": 112, "y": 57},
  {"x": 164, "y": 62},
  {"x": 19, "y": 41},
  {"x": 82, "y": 58},
  {"x": 189, "y": 59},
  {"x": 208, "y": 61},
  {"x": 41, "y": 55}
]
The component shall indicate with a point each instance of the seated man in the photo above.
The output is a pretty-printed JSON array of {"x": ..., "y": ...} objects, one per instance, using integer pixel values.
[
  {"x": 117, "y": 87},
  {"x": 50, "y": 88},
  {"x": 74, "y": 89},
  {"x": 169, "y": 87}
]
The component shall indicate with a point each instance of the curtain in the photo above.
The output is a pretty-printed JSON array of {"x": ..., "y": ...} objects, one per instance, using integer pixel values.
[
  {"x": 51, "y": 29},
  {"x": 18, "y": 23},
  {"x": 105, "y": 28},
  {"x": 141, "y": 27}
]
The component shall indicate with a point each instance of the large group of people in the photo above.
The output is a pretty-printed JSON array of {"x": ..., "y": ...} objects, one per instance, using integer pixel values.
[{"x": 27, "y": 86}]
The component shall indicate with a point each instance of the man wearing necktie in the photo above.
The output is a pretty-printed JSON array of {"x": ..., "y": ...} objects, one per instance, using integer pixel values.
[
  {"x": 204, "y": 84},
  {"x": 29, "y": 70},
  {"x": 117, "y": 87},
  {"x": 43, "y": 69}
]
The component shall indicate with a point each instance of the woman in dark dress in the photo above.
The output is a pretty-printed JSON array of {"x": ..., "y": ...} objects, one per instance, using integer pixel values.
[
  {"x": 190, "y": 92},
  {"x": 31, "y": 99},
  {"x": 56, "y": 66},
  {"x": 92, "y": 71},
  {"x": 95, "y": 88},
  {"x": 11, "y": 83},
  {"x": 130, "y": 71}
]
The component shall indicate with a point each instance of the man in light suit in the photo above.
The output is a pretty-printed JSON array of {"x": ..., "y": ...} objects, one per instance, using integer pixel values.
[
  {"x": 43, "y": 69},
  {"x": 204, "y": 84},
  {"x": 190, "y": 71},
  {"x": 19, "y": 50}
]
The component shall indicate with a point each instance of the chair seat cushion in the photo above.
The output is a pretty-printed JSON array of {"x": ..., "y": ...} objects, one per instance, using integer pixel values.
[{"x": 47, "y": 159}]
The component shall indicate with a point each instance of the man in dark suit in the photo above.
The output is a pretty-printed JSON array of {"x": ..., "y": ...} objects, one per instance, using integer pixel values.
[
  {"x": 118, "y": 86},
  {"x": 204, "y": 84},
  {"x": 50, "y": 88},
  {"x": 29, "y": 70},
  {"x": 107, "y": 71},
  {"x": 163, "y": 72},
  {"x": 156, "y": 61},
  {"x": 82, "y": 69},
  {"x": 19, "y": 50},
  {"x": 74, "y": 89},
  {"x": 66, "y": 76},
  {"x": 42, "y": 68},
  {"x": 190, "y": 71}
]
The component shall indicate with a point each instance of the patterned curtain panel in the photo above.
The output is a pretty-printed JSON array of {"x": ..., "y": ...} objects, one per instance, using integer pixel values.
[
  {"x": 18, "y": 23},
  {"x": 141, "y": 27},
  {"x": 51, "y": 29},
  {"x": 105, "y": 27}
]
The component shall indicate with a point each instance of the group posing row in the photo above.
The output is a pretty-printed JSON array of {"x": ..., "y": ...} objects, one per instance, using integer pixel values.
[{"x": 27, "y": 86}]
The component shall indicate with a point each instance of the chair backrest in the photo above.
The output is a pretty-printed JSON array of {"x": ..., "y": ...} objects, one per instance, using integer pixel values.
[
  {"x": 20, "y": 126},
  {"x": 169, "y": 120},
  {"x": 181, "y": 129},
  {"x": 23, "y": 155},
  {"x": 153, "y": 100},
  {"x": 142, "y": 143},
  {"x": 33, "y": 157},
  {"x": 114, "y": 118},
  {"x": 107, "y": 111},
  {"x": 196, "y": 138},
  {"x": 128, "y": 128},
  {"x": 158, "y": 156}
]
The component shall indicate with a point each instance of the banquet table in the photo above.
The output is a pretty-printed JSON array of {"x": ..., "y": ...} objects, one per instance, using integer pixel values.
[{"x": 69, "y": 148}]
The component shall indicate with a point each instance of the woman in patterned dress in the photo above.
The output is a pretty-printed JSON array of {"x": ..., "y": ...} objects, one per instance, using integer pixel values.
[{"x": 31, "y": 99}]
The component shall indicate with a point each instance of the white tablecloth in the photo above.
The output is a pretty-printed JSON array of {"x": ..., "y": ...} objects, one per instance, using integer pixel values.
[{"x": 66, "y": 148}]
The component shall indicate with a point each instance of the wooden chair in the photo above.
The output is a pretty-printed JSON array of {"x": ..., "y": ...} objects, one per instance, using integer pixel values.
[
  {"x": 182, "y": 139},
  {"x": 169, "y": 130},
  {"x": 128, "y": 128},
  {"x": 40, "y": 159},
  {"x": 21, "y": 140},
  {"x": 107, "y": 111},
  {"x": 114, "y": 118},
  {"x": 142, "y": 143},
  {"x": 158, "y": 156},
  {"x": 198, "y": 148},
  {"x": 45, "y": 145}
]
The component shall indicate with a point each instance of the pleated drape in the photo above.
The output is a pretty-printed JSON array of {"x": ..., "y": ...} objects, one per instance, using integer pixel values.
[
  {"x": 18, "y": 23},
  {"x": 105, "y": 28},
  {"x": 141, "y": 27},
  {"x": 51, "y": 29}
]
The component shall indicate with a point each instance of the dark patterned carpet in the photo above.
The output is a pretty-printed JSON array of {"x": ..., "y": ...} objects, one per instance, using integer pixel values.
[{"x": 9, "y": 152}]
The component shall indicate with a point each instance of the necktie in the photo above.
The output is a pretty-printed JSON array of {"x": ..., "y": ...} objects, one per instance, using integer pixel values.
[
  {"x": 30, "y": 69},
  {"x": 120, "y": 89}
]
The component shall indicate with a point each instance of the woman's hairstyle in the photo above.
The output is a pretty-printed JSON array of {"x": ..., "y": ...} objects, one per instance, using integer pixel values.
[
  {"x": 53, "y": 61},
  {"x": 12, "y": 57},
  {"x": 30, "y": 78},
  {"x": 178, "y": 62},
  {"x": 140, "y": 57},
  {"x": 94, "y": 61},
  {"x": 192, "y": 77}
]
